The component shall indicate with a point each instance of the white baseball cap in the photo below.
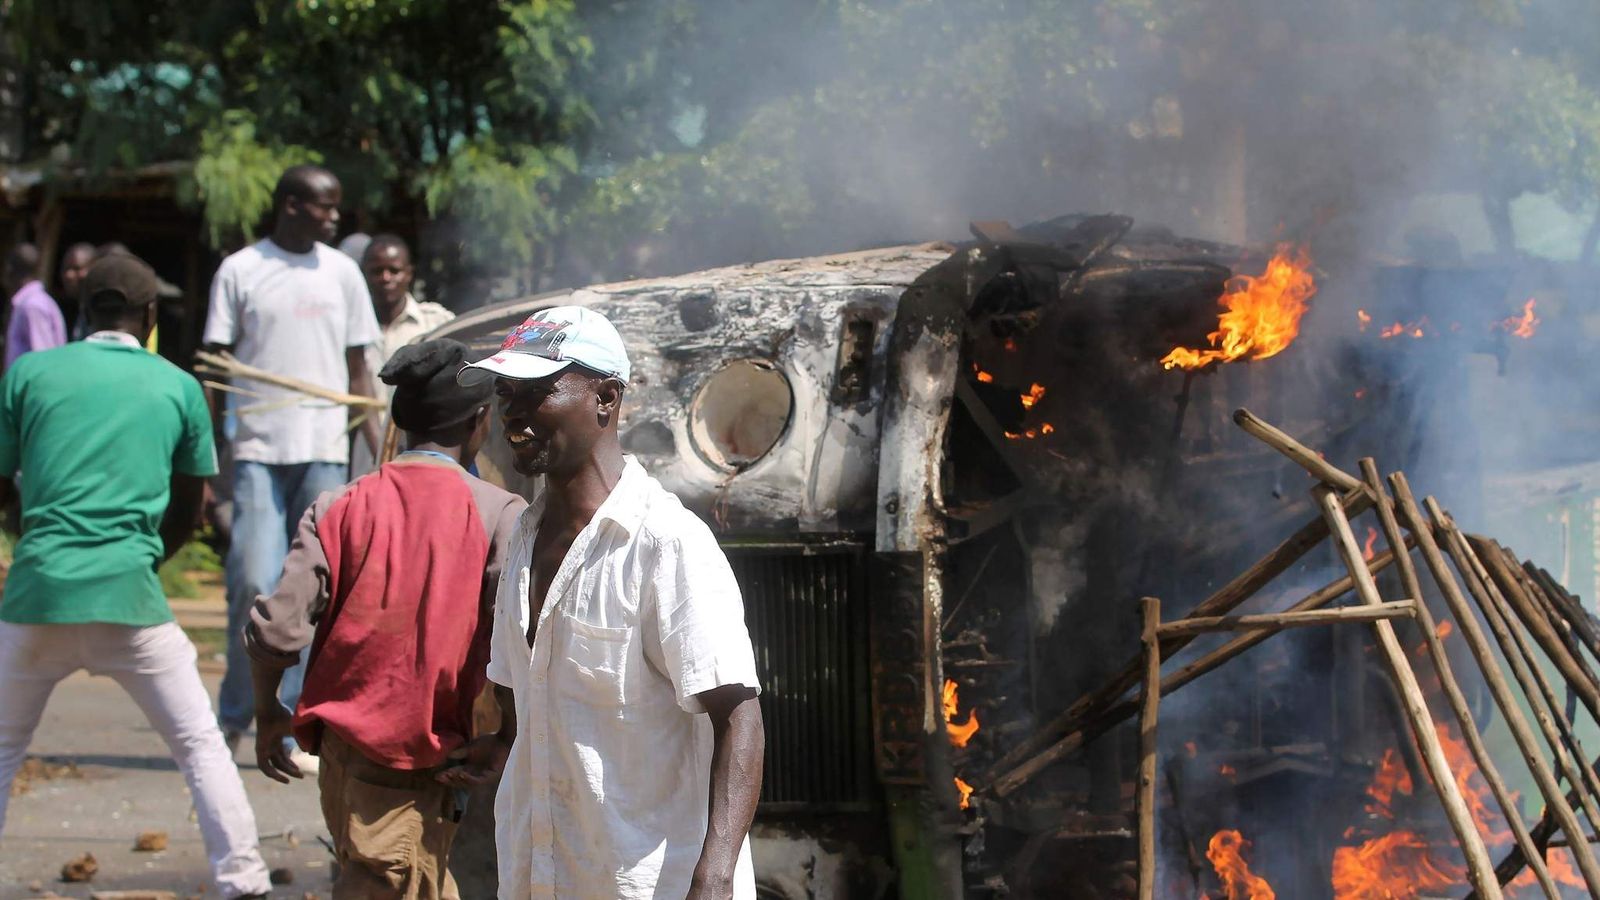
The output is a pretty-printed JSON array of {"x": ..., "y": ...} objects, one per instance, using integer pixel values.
[{"x": 551, "y": 340}]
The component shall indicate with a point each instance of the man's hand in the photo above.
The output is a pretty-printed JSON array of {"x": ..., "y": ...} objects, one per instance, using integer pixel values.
[
  {"x": 482, "y": 759},
  {"x": 272, "y": 730}
]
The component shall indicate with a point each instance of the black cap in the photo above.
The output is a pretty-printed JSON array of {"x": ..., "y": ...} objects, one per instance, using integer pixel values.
[
  {"x": 119, "y": 281},
  {"x": 427, "y": 397}
]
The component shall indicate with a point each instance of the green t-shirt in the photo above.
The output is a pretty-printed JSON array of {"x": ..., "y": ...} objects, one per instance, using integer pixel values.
[{"x": 95, "y": 431}]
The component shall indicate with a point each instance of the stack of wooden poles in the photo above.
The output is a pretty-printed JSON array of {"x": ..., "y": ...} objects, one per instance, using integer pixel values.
[{"x": 1529, "y": 617}]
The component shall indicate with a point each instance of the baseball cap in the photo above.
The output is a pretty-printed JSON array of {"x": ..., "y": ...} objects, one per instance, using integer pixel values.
[
  {"x": 119, "y": 280},
  {"x": 551, "y": 340}
]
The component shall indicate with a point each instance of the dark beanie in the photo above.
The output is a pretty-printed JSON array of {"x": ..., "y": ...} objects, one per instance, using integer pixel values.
[{"x": 426, "y": 396}]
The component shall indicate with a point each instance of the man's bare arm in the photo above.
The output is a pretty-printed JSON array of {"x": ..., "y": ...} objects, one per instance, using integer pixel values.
[
  {"x": 736, "y": 763},
  {"x": 186, "y": 502},
  {"x": 485, "y": 756},
  {"x": 355, "y": 358}
]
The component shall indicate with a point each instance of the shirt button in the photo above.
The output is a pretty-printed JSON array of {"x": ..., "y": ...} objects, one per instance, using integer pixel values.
[{"x": 539, "y": 739}]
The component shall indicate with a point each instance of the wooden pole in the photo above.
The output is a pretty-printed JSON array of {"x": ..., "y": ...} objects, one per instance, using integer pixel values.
[
  {"x": 1304, "y": 456},
  {"x": 1569, "y": 608},
  {"x": 1056, "y": 739},
  {"x": 1274, "y": 622},
  {"x": 1503, "y": 576},
  {"x": 1472, "y": 634},
  {"x": 1454, "y": 697},
  {"x": 1480, "y": 869},
  {"x": 1151, "y": 707},
  {"x": 1524, "y": 666}
]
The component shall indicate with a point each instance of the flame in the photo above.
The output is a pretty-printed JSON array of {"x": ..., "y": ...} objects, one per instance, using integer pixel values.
[
  {"x": 983, "y": 376},
  {"x": 1191, "y": 748},
  {"x": 1261, "y": 314},
  {"x": 966, "y": 793},
  {"x": 1034, "y": 395},
  {"x": 959, "y": 734},
  {"x": 1361, "y": 393},
  {"x": 1010, "y": 345},
  {"x": 1227, "y": 771},
  {"x": 1443, "y": 630},
  {"x": 1369, "y": 550},
  {"x": 1402, "y": 864},
  {"x": 1363, "y": 319},
  {"x": 1523, "y": 326},
  {"x": 1047, "y": 428},
  {"x": 1417, "y": 329},
  {"x": 1226, "y": 854}
]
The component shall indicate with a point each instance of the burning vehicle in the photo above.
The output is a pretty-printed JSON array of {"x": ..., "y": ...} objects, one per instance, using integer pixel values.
[{"x": 945, "y": 473}]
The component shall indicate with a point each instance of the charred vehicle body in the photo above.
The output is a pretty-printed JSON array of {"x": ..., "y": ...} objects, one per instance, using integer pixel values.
[{"x": 943, "y": 475}]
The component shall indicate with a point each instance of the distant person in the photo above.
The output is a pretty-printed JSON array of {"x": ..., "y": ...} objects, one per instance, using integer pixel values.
[
  {"x": 292, "y": 305},
  {"x": 36, "y": 322},
  {"x": 355, "y": 244},
  {"x": 113, "y": 446},
  {"x": 74, "y": 263},
  {"x": 391, "y": 582},
  {"x": 404, "y": 319}
]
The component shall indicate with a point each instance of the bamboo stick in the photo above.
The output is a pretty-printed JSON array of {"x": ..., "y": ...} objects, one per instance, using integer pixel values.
[
  {"x": 1480, "y": 869},
  {"x": 227, "y": 364},
  {"x": 1576, "y": 672},
  {"x": 1151, "y": 707},
  {"x": 1055, "y": 740},
  {"x": 1472, "y": 634},
  {"x": 1280, "y": 621},
  {"x": 1454, "y": 698},
  {"x": 1518, "y": 653},
  {"x": 1304, "y": 456},
  {"x": 1100, "y": 722}
]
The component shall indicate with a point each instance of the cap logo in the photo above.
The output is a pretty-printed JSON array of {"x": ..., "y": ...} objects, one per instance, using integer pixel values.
[{"x": 537, "y": 338}]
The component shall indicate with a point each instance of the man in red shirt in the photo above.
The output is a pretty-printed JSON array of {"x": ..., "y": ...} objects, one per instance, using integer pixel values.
[{"x": 391, "y": 580}]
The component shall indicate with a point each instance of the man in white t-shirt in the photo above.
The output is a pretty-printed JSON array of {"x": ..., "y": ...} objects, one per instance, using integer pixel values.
[{"x": 293, "y": 305}]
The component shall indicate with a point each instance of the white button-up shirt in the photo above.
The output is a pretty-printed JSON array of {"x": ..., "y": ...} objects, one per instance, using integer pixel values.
[{"x": 606, "y": 791}]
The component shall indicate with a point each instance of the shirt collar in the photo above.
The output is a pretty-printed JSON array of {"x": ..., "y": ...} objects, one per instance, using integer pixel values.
[
  {"x": 410, "y": 310},
  {"x": 115, "y": 337},
  {"x": 32, "y": 286},
  {"x": 625, "y": 505}
]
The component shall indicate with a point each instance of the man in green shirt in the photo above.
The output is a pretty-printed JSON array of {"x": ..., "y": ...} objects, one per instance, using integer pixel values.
[{"x": 111, "y": 445}]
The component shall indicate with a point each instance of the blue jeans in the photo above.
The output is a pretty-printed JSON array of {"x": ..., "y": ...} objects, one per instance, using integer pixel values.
[{"x": 268, "y": 501}]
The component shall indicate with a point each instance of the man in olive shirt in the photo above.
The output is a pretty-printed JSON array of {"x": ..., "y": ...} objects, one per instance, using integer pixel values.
[{"x": 111, "y": 446}]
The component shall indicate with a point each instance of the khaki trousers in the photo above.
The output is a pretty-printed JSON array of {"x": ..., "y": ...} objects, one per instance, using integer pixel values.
[{"x": 391, "y": 828}]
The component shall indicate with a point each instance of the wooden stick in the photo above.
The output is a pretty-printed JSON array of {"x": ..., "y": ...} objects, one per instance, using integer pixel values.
[
  {"x": 1516, "y": 859},
  {"x": 1037, "y": 751},
  {"x": 1480, "y": 869},
  {"x": 1304, "y": 456},
  {"x": 1281, "y": 621},
  {"x": 1510, "y": 709},
  {"x": 1454, "y": 697},
  {"x": 1151, "y": 707},
  {"x": 1518, "y": 653},
  {"x": 1573, "y": 669},
  {"x": 1570, "y": 609},
  {"x": 1107, "y": 717},
  {"x": 391, "y": 442},
  {"x": 226, "y": 364},
  {"x": 1531, "y": 585}
]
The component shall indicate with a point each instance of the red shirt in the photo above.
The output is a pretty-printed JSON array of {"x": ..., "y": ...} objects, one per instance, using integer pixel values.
[{"x": 402, "y": 609}]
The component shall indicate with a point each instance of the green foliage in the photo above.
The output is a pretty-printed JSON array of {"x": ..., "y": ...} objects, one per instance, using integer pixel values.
[
  {"x": 504, "y": 193},
  {"x": 194, "y": 556},
  {"x": 234, "y": 175}
]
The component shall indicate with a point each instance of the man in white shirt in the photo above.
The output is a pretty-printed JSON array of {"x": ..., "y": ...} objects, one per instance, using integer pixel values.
[
  {"x": 628, "y": 681},
  {"x": 386, "y": 264},
  {"x": 293, "y": 305}
]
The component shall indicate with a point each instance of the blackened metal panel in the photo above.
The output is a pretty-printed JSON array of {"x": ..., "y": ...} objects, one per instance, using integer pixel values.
[{"x": 806, "y": 609}]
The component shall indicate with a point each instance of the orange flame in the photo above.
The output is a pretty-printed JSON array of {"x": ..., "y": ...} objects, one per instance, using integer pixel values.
[
  {"x": 1226, "y": 854},
  {"x": 966, "y": 793},
  {"x": 1417, "y": 329},
  {"x": 959, "y": 734},
  {"x": 1227, "y": 771},
  {"x": 1370, "y": 549},
  {"x": 1261, "y": 314},
  {"x": 1363, "y": 319},
  {"x": 983, "y": 376},
  {"x": 1443, "y": 630},
  {"x": 1523, "y": 326},
  {"x": 1034, "y": 395}
]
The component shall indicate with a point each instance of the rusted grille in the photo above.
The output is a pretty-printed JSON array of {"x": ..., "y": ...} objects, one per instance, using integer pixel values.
[{"x": 807, "y": 615}]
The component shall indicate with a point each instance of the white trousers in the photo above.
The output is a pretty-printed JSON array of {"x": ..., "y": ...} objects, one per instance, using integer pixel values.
[{"x": 156, "y": 666}]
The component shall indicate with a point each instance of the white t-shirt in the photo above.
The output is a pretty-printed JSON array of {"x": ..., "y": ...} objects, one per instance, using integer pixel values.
[
  {"x": 606, "y": 791},
  {"x": 292, "y": 314}
]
